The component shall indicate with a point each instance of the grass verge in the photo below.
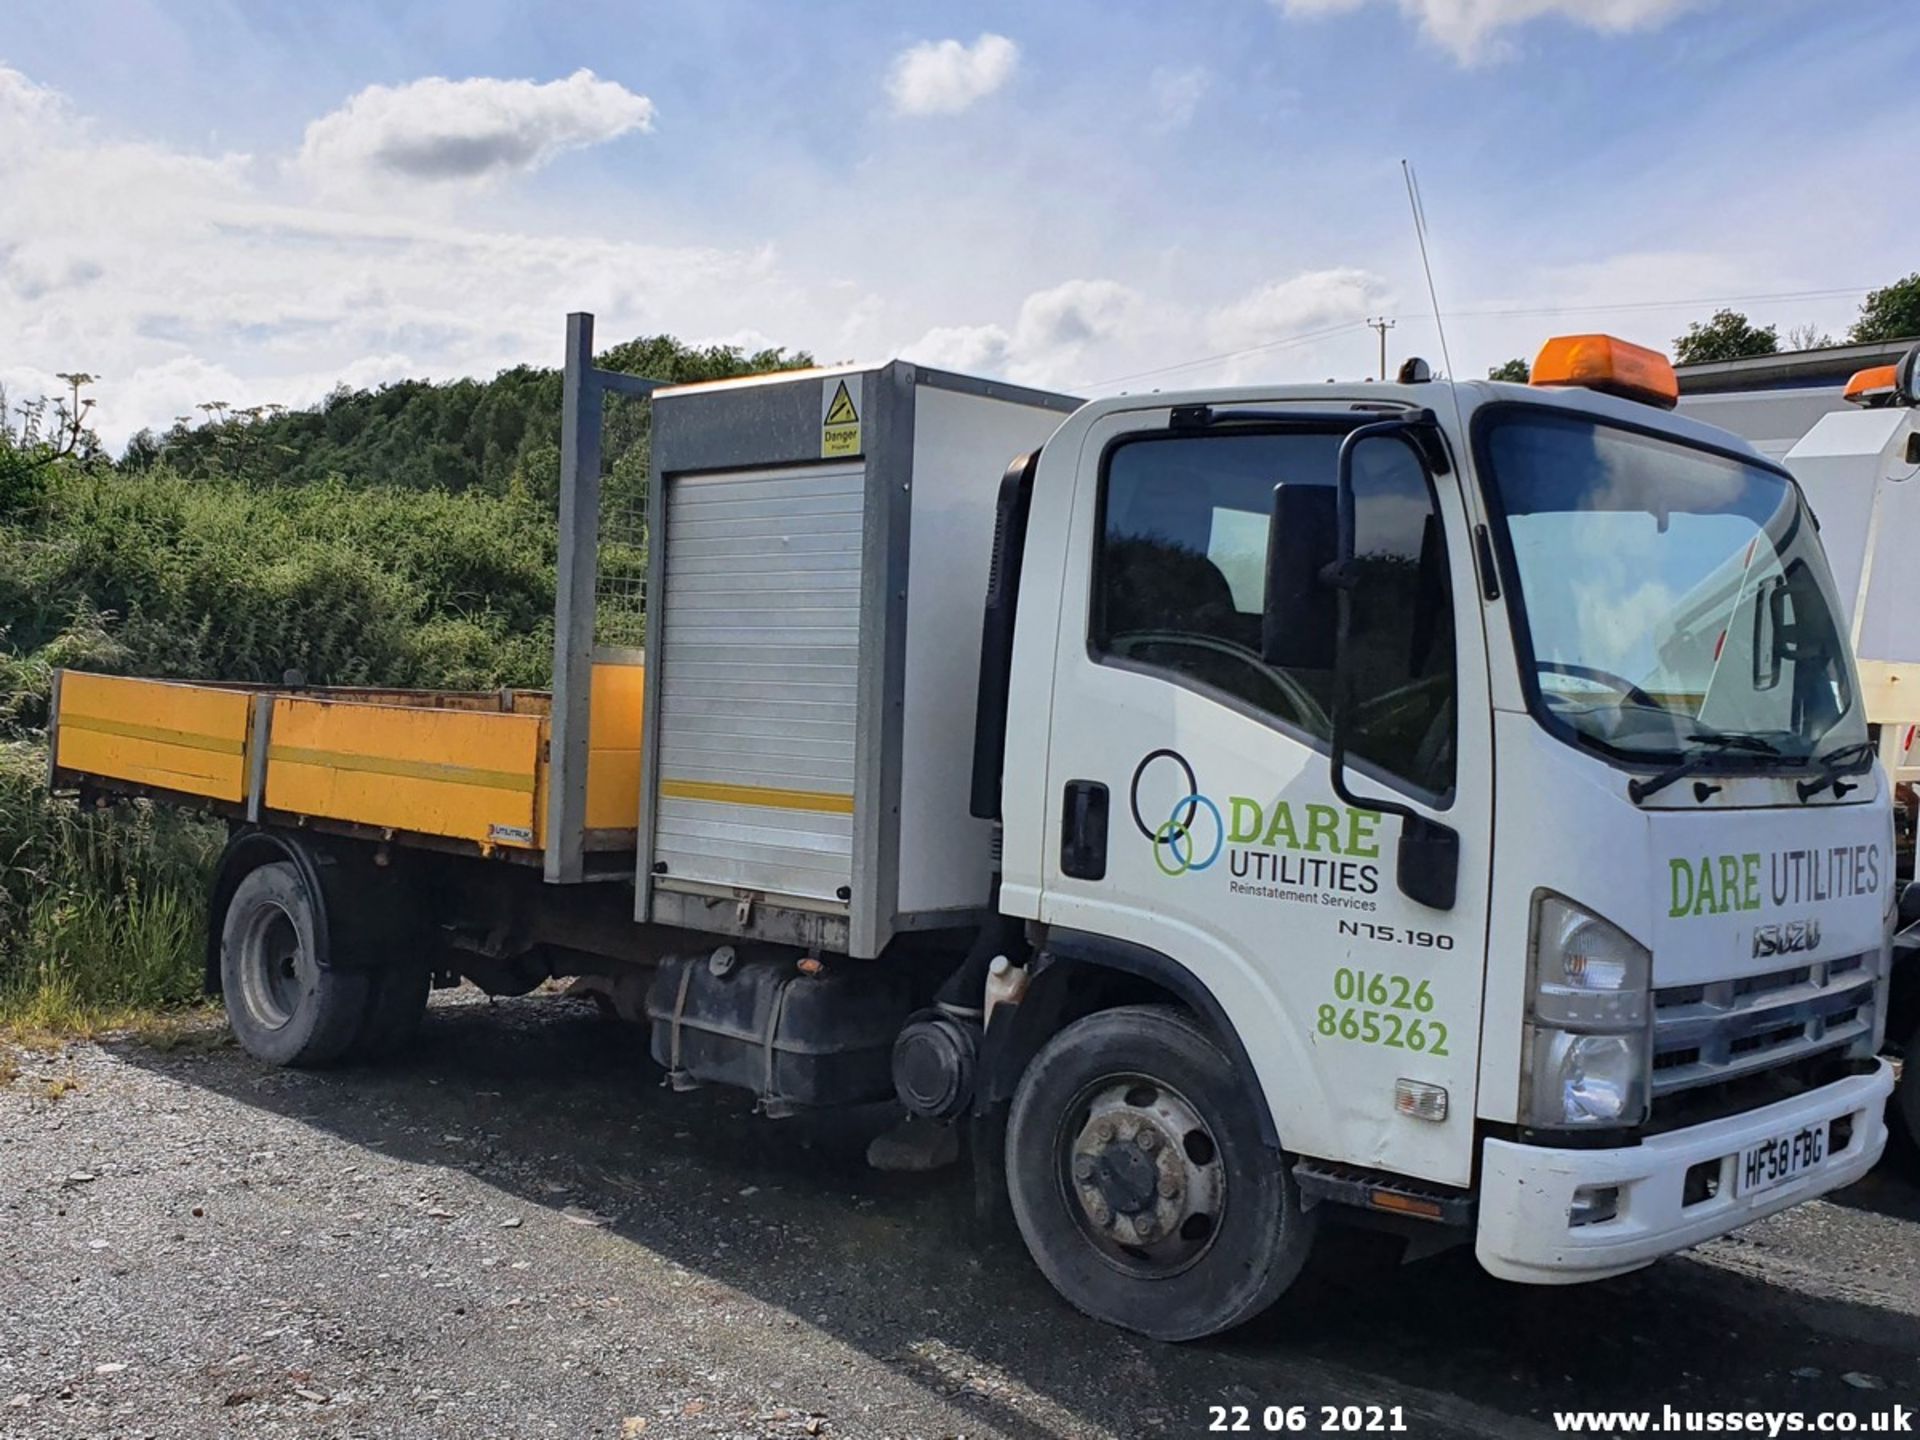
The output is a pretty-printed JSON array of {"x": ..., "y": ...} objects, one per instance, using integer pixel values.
[{"x": 102, "y": 913}]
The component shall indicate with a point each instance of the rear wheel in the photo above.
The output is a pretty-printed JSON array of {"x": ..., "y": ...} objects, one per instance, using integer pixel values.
[
  {"x": 286, "y": 1005},
  {"x": 396, "y": 1003},
  {"x": 1140, "y": 1181}
]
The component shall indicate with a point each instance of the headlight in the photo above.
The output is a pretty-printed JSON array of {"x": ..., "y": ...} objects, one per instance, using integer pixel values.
[
  {"x": 1587, "y": 1044},
  {"x": 1588, "y": 1079}
]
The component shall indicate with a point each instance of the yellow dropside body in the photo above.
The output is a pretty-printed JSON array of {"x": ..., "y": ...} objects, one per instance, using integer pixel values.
[
  {"x": 462, "y": 774},
  {"x": 190, "y": 739},
  {"x": 469, "y": 767}
]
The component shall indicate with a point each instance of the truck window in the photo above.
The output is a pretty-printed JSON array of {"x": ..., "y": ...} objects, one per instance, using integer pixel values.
[
  {"x": 1180, "y": 585},
  {"x": 1667, "y": 593}
]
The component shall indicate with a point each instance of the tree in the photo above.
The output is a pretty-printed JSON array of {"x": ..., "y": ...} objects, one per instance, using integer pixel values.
[
  {"x": 143, "y": 451},
  {"x": 1889, "y": 313},
  {"x": 1729, "y": 335},
  {"x": 496, "y": 435},
  {"x": 1808, "y": 337},
  {"x": 1518, "y": 371},
  {"x": 50, "y": 431}
]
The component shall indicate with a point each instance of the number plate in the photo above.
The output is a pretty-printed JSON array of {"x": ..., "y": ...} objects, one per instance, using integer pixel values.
[{"x": 1775, "y": 1161}]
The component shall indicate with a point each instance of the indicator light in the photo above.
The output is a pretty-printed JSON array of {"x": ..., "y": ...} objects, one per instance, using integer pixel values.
[{"x": 1420, "y": 1100}]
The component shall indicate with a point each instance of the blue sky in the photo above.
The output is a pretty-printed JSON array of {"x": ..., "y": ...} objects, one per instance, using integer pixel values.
[{"x": 250, "y": 202}]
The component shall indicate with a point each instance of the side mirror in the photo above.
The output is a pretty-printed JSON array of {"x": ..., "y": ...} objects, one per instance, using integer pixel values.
[
  {"x": 1786, "y": 634},
  {"x": 1769, "y": 628},
  {"x": 1909, "y": 903},
  {"x": 1907, "y": 377},
  {"x": 1297, "y": 627},
  {"x": 1427, "y": 868}
]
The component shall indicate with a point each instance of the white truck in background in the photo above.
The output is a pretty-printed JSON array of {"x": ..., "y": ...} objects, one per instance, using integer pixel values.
[
  {"x": 1317, "y": 822},
  {"x": 1855, "y": 449}
]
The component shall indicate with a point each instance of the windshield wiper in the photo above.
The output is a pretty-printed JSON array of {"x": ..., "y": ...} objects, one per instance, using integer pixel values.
[
  {"x": 1717, "y": 742},
  {"x": 1847, "y": 760},
  {"x": 1728, "y": 740}
]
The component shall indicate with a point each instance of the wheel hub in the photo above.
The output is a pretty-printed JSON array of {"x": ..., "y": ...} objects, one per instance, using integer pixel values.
[
  {"x": 1146, "y": 1175},
  {"x": 271, "y": 968}
]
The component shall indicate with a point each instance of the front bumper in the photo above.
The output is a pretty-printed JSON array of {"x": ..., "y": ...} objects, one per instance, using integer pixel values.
[{"x": 1526, "y": 1191}]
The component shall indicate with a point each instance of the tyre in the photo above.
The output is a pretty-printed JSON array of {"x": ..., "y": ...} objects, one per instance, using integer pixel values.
[
  {"x": 1140, "y": 1182},
  {"x": 396, "y": 1003},
  {"x": 286, "y": 1007},
  {"x": 1903, "y": 1114}
]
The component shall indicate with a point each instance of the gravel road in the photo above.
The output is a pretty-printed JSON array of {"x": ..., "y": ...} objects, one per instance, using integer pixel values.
[{"x": 515, "y": 1233}]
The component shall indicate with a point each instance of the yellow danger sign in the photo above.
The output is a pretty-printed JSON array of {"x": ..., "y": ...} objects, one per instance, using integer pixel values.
[{"x": 840, "y": 416}]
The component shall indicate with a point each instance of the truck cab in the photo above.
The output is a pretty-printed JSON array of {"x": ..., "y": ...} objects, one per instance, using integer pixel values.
[{"x": 1491, "y": 759}]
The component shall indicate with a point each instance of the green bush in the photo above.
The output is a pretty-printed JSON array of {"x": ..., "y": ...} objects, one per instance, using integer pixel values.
[
  {"x": 101, "y": 912},
  {"x": 214, "y": 579}
]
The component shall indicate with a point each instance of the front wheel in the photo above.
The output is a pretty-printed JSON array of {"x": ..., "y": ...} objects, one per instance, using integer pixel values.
[
  {"x": 1140, "y": 1181},
  {"x": 1906, "y": 1105}
]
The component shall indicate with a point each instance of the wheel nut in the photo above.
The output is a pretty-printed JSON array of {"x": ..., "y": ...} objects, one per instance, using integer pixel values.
[
  {"x": 1103, "y": 1132},
  {"x": 1169, "y": 1188},
  {"x": 1148, "y": 1139},
  {"x": 1145, "y": 1226},
  {"x": 1083, "y": 1169}
]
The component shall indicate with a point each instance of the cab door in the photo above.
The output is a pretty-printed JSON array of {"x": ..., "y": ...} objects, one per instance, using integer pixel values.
[{"x": 1190, "y": 805}]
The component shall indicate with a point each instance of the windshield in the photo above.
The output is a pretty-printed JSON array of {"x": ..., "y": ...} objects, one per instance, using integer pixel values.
[{"x": 1673, "y": 598}]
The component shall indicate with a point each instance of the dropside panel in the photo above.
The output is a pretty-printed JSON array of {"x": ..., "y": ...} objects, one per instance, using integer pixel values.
[
  {"x": 460, "y": 774},
  {"x": 613, "y": 753},
  {"x": 190, "y": 739}
]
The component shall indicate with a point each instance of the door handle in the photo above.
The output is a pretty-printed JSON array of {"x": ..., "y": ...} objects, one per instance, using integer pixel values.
[{"x": 1083, "y": 831}]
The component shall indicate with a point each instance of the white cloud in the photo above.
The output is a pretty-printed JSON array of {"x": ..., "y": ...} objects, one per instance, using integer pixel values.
[
  {"x": 33, "y": 271},
  {"x": 24, "y": 104},
  {"x": 970, "y": 349},
  {"x": 1177, "y": 94},
  {"x": 1072, "y": 334},
  {"x": 1297, "y": 306},
  {"x": 467, "y": 130},
  {"x": 944, "y": 77},
  {"x": 1468, "y": 28},
  {"x": 178, "y": 278},
  {"x": 164, "y": 392},
  {"x": 1049, "y": 340},
  {"x": 1075, "y": 314}
]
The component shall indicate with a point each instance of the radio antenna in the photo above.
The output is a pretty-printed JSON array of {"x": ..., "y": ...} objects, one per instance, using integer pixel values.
[
  {"x": 1433, "y": 294},
  {"x": 1426, "y": 264}
]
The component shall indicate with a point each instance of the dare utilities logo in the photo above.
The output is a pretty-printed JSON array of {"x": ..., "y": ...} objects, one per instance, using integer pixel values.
[
  {"x": 1194, "y": 833},
  {"x": 1268, "y": 847}
]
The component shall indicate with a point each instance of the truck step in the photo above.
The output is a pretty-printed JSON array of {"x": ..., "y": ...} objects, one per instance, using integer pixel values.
[{"x": 1355, "y": 1185}]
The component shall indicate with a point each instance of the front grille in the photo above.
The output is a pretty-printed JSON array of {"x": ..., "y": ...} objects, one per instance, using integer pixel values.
[{"x": 1730, "y": 1029}]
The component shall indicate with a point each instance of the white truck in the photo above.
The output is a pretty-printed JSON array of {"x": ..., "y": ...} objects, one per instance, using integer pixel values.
[
  {"x": 1852, "y": 447},
  {"x": 1315, "y": 825},
  {"x": 1855, "y": 449}
]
